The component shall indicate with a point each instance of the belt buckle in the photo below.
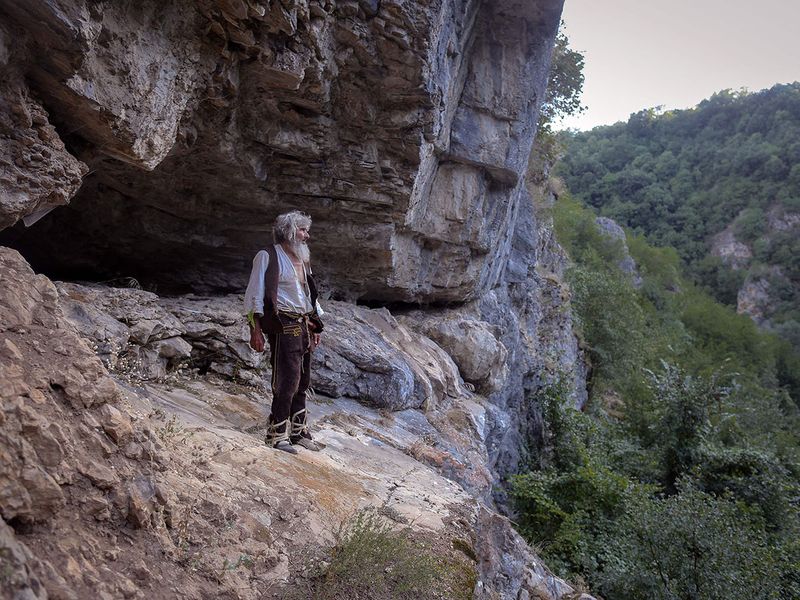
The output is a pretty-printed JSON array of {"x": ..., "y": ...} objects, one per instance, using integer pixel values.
[{"x": 292, "y": 330}]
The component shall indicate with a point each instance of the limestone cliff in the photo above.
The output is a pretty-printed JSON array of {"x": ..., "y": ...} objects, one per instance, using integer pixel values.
[
  {"x": 767, "y": 292},
  {"x": 157, "y": 141},
  {"x": 403, "y": 128}
]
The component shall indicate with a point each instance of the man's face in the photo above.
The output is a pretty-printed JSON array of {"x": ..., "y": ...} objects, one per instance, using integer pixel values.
[
  {"x": 302, "y": 235},
  {"x": 298, "y": 245}
]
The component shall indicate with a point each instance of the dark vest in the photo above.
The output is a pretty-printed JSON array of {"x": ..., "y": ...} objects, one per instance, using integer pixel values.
[{"x": 270, "y": 323}]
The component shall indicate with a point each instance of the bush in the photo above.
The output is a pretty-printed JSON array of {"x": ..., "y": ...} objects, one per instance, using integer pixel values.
[
  {"x": 691, "y": 546},
  {"x": 373, "y": 561},
  {"x": 753, "y": 476}
]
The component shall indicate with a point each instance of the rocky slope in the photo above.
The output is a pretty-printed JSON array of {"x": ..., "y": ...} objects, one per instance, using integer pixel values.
[{"x": 155, "y": 483}]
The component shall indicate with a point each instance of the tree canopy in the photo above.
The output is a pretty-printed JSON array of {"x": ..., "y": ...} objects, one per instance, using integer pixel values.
[{"x": 680, "y": 177}]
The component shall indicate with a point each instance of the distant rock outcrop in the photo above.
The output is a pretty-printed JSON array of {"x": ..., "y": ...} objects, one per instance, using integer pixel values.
[
  {"x": 731, "y": 251},
  {"x": 767, "y": 289},
  {"x": 611, "y": 229}
]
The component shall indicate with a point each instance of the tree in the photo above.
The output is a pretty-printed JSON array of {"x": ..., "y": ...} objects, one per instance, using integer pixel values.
[{"x": 565, "y": 85}]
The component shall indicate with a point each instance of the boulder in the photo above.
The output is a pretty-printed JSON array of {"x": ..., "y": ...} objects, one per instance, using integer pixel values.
[
  {"x": 368, "y": 355},
  {"x": 472, "y": 344}
]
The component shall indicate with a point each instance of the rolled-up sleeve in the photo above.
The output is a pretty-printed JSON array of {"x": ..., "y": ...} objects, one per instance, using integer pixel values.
[{"x": 254, "y": 295}]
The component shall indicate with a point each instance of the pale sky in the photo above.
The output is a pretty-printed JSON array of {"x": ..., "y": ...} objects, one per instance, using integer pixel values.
[{"x": 645, "y": 53}]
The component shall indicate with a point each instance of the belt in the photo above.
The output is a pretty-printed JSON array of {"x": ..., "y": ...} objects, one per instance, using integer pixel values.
[
  {"x": 296, "y": 316},
  {"x": 302, "y": 319}
]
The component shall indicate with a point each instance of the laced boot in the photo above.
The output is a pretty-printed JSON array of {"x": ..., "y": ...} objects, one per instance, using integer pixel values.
[
  {"x": 300, "y": 435},
  {"x": 278, "y": 437}
]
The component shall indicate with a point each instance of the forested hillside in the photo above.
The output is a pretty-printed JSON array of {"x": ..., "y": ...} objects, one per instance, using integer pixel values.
[
  {"x": 720, "y": 183},
  {"x": 682, "y": 477}
]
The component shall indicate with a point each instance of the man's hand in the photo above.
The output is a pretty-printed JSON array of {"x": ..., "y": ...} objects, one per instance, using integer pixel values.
[
  {"x": 315, "y": 340},
  {"x": 256, "y": 339}
]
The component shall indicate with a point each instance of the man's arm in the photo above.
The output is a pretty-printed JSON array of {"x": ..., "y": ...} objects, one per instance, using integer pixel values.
[
  {"x": 256, "y": 335},
  {"x": 254, "y": 300}
]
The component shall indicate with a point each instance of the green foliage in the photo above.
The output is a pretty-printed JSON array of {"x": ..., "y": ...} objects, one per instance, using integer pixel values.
[
  {"x": 682, "y": 479},
  {"x": 565, "y": 83},
  {"x": 757, "y": 477},
  {"x": 571, "y": 502},
  {"x": 601, "y": 294},
  {"x": 721, "y": 281},
  {"x": 681, "y": 177},
  {"x": 751, "y": 224},
  {"x": 699, "y": 513},
  {"x": 603, "y": 301},
  {"x": 682, "y": 420},
  {"x": 371, "y": 560},
  {"x": 579, "y": 235},
  {"x": 691, "y": 545}
]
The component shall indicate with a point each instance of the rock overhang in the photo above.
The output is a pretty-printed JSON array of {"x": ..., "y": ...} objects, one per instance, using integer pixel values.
[{"x": 404, "y": 130}]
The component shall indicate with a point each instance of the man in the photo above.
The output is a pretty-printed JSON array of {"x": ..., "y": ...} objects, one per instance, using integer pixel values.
[{"x": 281, "y": 301}]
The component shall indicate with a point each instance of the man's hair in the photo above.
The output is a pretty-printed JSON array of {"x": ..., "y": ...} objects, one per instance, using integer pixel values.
[{"x": 287, "y": 224}]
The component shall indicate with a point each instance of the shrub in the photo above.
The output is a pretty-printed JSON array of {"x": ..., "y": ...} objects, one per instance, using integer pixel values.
[
  {"x": 372, "y": 561},
  {"x": 691, "y": 546}
]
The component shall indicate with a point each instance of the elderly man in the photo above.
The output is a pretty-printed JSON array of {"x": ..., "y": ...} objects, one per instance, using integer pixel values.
[{"x": 281, "y": 301}]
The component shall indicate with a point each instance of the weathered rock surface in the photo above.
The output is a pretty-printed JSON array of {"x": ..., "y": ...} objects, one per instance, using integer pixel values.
[
  {"x": 367, "y": 354},
  {"x": 735, "y": 254},
  {"x": 370, "y": 356},
  {"x": 46, "y": 372},
  {"x": 767, "y": 290},
  {"x": 780, "y": 219},
  {"x": 36, "y": 171},
  {"x": 473, "y": 344},
  {"x": 160, "y": 488},
  {"x": 754, "y": 298},
  {"x": 611, "y": 229},
  {"x": 403, "y": 128},
  {"x": 530, "y": 310}
]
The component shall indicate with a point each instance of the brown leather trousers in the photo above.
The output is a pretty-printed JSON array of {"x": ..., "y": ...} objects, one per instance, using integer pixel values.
[{"x": 290, "y": 358}]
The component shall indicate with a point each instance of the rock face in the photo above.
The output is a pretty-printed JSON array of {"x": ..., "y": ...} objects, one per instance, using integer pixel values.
[
  {"x": 473, "y": 344},
  {"x": 755, "y": 298},
  {"x": 160, "y": 487},
  {"x": 404, "y": 129},
  {"x": 768, "y": 290},
  {"x": 36, "y": 172},
  {"x": 733, "y": 253},
  {"x": 611, "y": 229}
]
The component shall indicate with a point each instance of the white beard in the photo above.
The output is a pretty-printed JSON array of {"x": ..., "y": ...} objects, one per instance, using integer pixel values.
[{"x": 300, "y": 250}]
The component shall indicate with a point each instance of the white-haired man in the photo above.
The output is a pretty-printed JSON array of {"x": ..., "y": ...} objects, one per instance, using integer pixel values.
[{"x": 281, "y": 301}]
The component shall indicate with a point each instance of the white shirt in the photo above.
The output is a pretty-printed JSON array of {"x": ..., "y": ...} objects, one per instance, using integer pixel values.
[{"x": 293, "y": 296}]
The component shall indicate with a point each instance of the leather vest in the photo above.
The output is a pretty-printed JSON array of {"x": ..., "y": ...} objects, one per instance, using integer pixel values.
[{"x": 270, "y": 323}]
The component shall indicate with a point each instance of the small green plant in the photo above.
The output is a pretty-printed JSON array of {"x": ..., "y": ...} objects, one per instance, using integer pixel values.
[
  {"x": 371, "y": 560},
  {"x": 173, "y": 432},
  {"x": 244, "y": 561}
]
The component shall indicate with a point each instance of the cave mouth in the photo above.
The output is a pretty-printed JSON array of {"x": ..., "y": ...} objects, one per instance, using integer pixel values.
[{"x": 54, "y": 247}]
